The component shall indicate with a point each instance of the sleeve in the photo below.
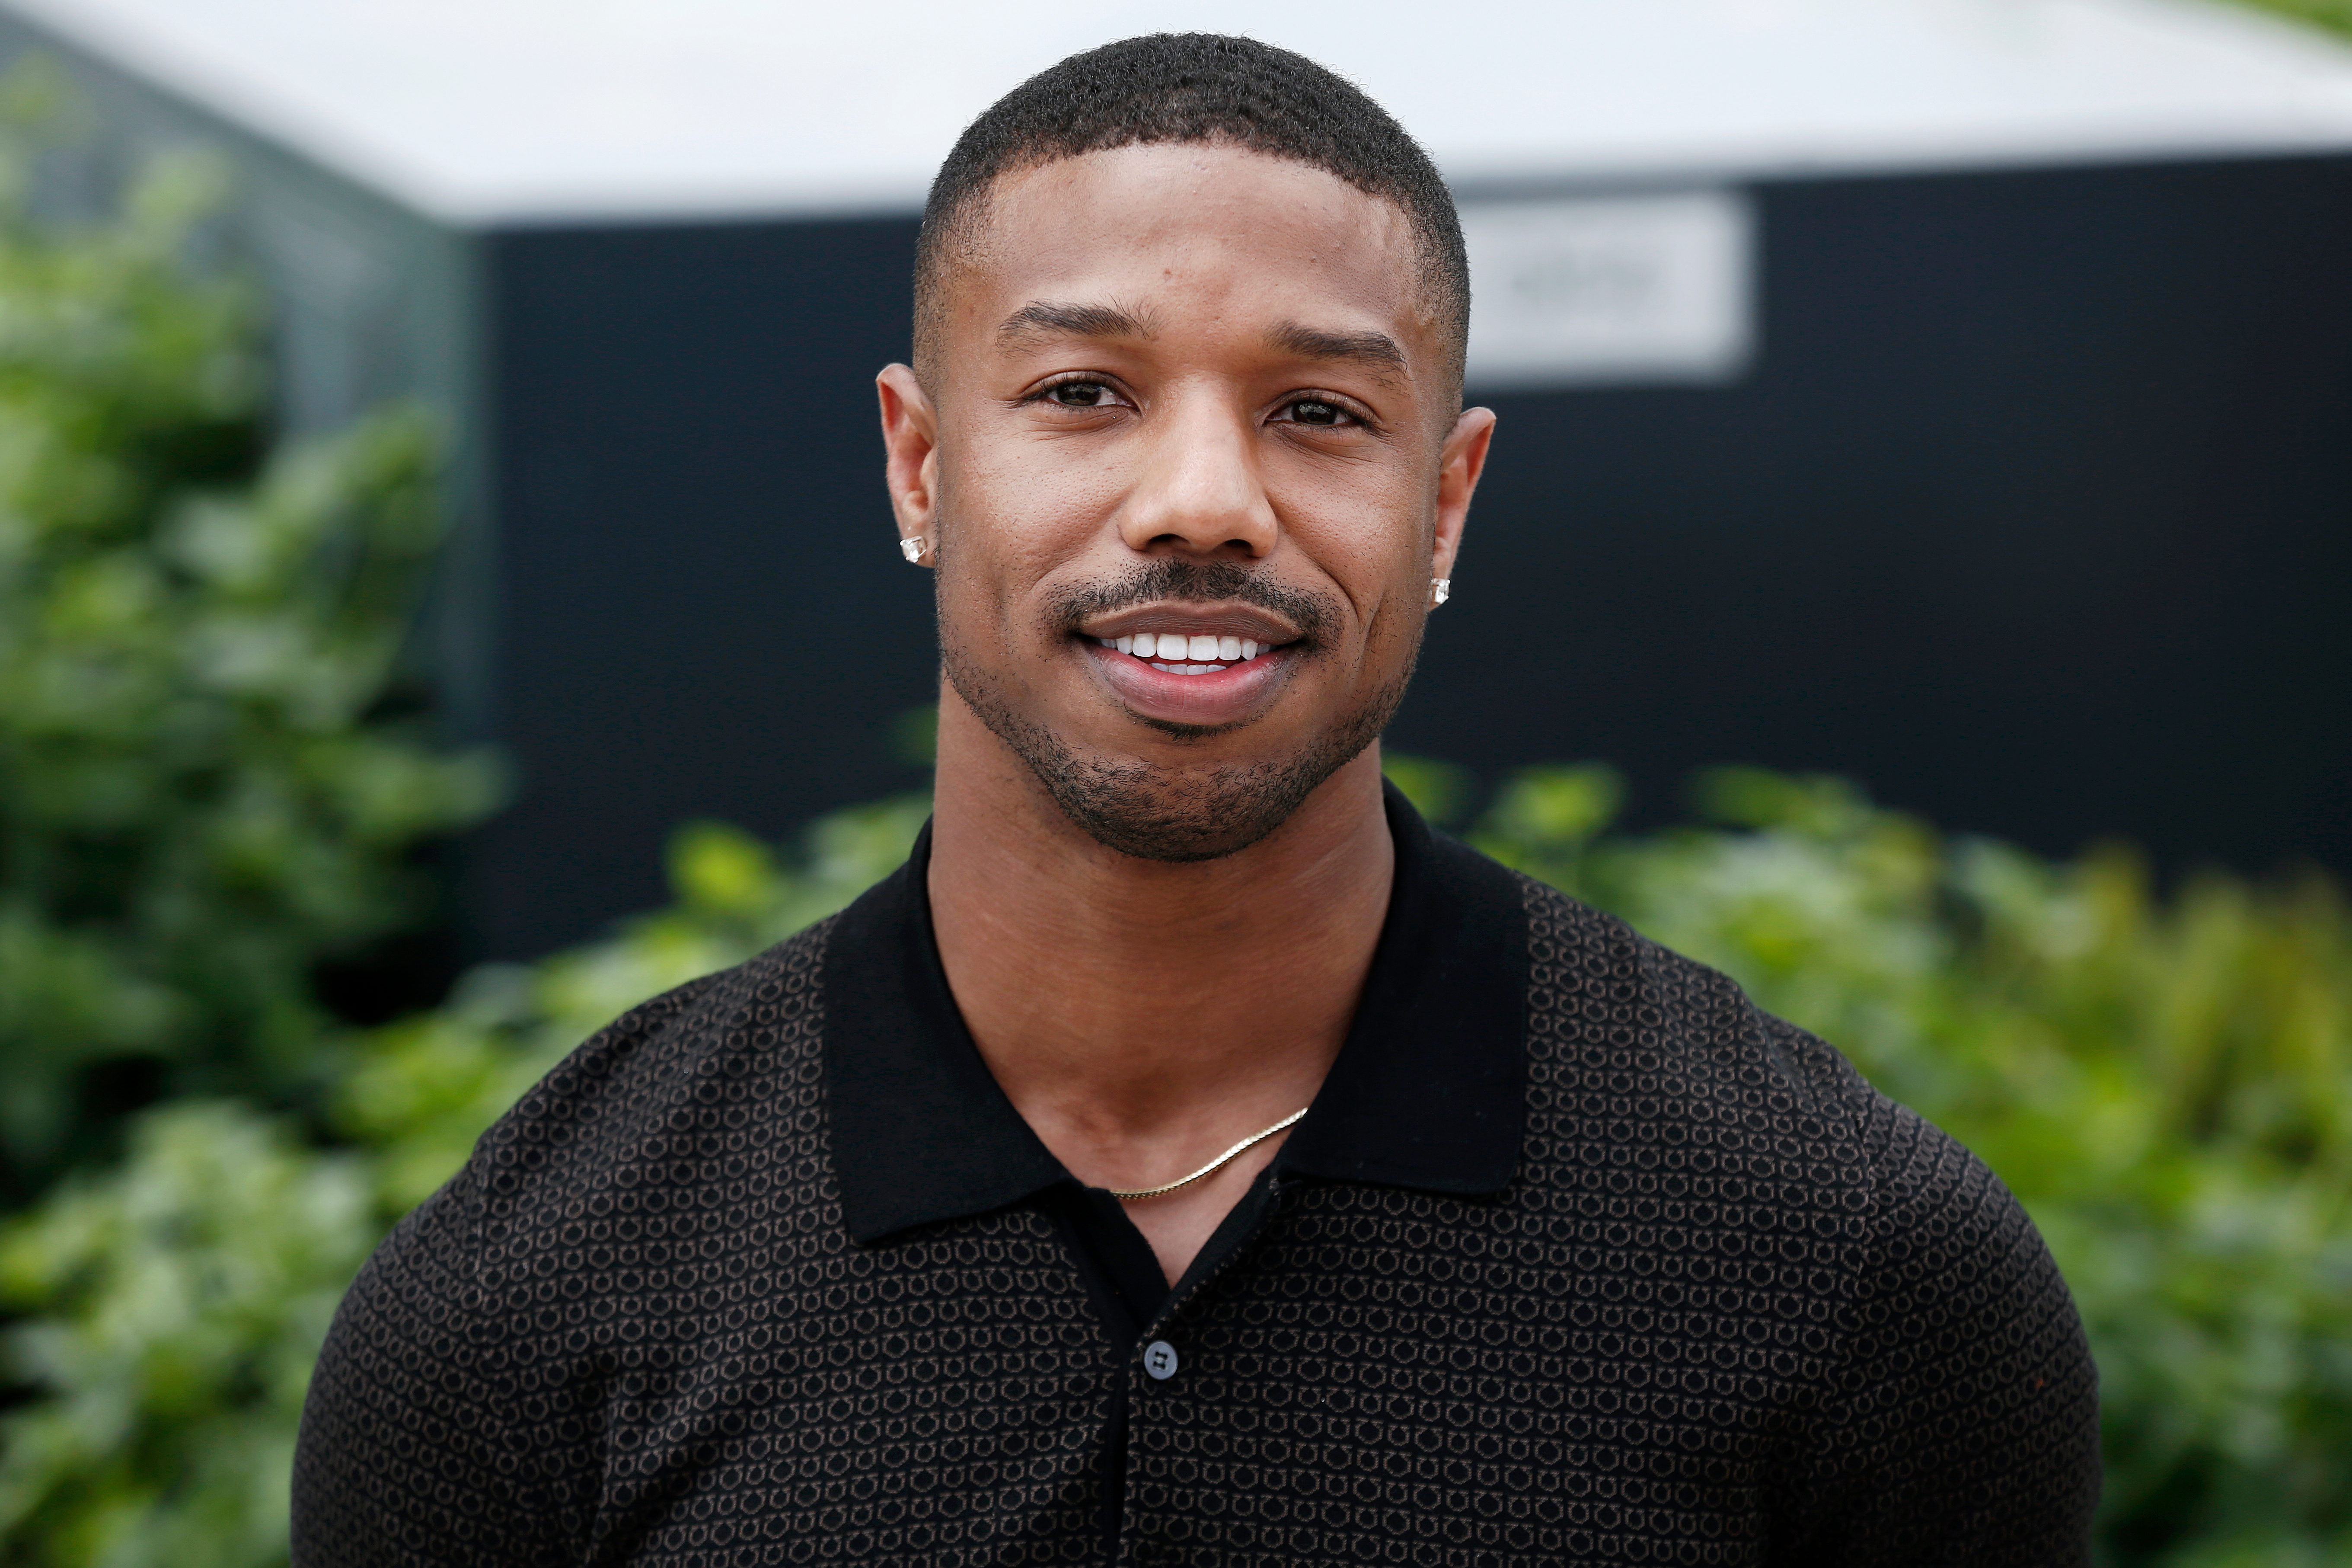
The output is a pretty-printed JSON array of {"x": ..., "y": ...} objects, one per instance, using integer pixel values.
[
  {"x": 426, "y": 1436},
  {"x": 1964, "y": 1429},
  {"x": 457, "y": 1418}
]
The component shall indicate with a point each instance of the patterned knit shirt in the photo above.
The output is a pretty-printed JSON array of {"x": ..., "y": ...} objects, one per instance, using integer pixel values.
[{"x": 1578, "y": 1258}]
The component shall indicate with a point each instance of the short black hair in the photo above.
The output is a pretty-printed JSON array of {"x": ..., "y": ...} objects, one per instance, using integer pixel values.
[{"x": 1195, "y": 87}]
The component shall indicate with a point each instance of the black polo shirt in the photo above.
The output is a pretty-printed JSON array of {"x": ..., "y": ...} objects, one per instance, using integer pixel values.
[{"x": 1577, "y": 1258}]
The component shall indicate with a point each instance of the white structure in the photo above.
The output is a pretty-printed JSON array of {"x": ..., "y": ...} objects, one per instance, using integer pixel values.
[
  {"x": 498, "y": 111},
  {"x": 495, "y": 112}
]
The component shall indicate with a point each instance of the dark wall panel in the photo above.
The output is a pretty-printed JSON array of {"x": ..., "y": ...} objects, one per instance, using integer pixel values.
[
  {"x": 704, "y": 612},
  {"x": 2036, "y": 515}
]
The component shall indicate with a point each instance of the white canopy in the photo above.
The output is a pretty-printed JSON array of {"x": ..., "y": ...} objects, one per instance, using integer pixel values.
[{"x": 542, "y": 110}]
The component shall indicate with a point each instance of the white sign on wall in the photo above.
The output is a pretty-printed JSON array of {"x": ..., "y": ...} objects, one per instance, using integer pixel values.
[{"x": 1574, "y": 290}]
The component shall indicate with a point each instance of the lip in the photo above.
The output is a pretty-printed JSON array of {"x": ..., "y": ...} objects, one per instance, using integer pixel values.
[
  {"x": 1245, "y": 621},
  {"x": 1211, "y": 701}
]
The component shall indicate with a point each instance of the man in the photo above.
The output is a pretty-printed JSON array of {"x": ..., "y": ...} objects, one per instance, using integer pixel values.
[{"x": 1188, "y": 1157}]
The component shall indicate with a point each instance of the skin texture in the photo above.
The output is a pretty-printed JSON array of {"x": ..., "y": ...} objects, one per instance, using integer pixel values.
[{"x": 1157, "y": 897}]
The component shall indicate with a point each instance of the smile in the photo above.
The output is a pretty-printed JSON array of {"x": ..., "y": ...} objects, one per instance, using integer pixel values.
[{"x": 1180, "y": 655}]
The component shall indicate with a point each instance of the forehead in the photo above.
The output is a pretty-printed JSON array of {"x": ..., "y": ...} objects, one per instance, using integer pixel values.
[{"x": 1188, "y": 232}]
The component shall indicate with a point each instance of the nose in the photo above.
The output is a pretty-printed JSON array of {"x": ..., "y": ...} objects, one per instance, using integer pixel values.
[{"x": 1200, "y": 490}]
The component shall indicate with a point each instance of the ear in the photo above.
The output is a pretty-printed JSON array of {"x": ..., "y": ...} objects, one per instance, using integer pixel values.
[
  {"x": 911, "y": 444},
  {"x": 1460, "y": 462}
]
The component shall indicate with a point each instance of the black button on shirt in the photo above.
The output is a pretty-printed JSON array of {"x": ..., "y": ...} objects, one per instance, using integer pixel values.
[{"x": 1577, "y": 1258}]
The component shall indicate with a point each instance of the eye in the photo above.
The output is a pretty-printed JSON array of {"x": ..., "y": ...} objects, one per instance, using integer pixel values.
[
  {"x": 1080, "y": 394},
  {"x": 1314, "y": 411}
]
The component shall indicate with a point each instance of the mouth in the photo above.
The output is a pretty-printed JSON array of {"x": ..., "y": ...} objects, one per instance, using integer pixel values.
[
  {"x": 1176, "y": 653},
  {"x": 1197, "y": 666}
]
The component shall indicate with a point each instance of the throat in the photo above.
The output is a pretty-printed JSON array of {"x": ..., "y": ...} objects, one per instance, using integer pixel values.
[{"x": 1145, "y": 1016}]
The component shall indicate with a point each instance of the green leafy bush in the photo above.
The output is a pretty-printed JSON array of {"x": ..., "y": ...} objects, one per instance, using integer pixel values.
[
  {"x": 2166, "y": 1082},
  {"x": 199, "y": 1281},
  {"x": 181, "y": 1297},
  {"x": 199, "y": 801}
]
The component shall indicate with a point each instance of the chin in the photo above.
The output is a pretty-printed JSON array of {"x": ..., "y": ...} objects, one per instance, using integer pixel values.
[
  {"x": 1178, "y": 816},
  {"x": 1182, "y": 812}
]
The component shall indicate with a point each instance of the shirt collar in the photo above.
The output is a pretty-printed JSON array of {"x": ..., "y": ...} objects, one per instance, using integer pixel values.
[{"x": 1428, "y": 1091}]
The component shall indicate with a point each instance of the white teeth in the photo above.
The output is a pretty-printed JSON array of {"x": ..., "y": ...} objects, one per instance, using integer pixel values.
[{"x": 1185, "y": 655}]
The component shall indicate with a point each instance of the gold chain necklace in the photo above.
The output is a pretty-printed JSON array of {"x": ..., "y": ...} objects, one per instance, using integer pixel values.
[{"x": 1213, "y": 1166}]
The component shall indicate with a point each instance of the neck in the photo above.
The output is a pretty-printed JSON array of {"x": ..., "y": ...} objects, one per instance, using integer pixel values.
[{"x": 1141, "y": 1016}]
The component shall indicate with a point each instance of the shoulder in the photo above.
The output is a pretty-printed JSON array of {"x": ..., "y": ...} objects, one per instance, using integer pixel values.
[
  {"x": 672, "y": 1081},
  {"x": 1603, "y": 999},
  {"x": 1952, "y": 1397},
  {"x": 1652, "y": 1036},
  {"x": 687, "y": 1112},
  {"x": 1655, "y": 1066}
]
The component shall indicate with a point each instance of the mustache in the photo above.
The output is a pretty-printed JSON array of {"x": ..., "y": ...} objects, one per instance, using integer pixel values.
[{"x": 1171, "y": 581}]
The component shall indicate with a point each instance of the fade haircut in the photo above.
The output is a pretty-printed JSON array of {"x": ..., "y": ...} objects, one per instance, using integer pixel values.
[{"x": 1201, "y": 87}]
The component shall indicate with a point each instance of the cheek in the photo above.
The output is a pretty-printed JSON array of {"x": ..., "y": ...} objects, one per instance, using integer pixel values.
[
  {"x": 1003, "y": 535},
  {"x": 1375, "y": 549},
  {"x": 1026, "y": 507}
]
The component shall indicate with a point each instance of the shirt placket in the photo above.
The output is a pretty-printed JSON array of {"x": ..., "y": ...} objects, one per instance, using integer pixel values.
[{"x": 1164, "y": 1376}]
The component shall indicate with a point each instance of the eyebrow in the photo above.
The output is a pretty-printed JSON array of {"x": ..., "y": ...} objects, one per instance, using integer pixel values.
[
  {"x": 1049, "y": 319},
  {"x": 1375, "y": 350}
]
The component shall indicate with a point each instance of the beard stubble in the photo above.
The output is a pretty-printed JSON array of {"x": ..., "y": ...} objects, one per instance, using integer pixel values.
[{"x": 1176, "y": 815}]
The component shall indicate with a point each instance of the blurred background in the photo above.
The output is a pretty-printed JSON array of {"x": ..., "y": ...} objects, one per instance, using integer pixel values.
[{"x": 447, "y": 597}]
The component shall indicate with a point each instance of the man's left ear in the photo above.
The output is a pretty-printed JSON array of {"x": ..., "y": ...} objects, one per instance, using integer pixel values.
[{"x": 1459, "y": 463}]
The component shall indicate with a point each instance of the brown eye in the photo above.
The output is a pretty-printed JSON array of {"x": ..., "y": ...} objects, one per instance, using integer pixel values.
[
  {"x": 1080, "y": 393},
  {"x": 1310, "y": 412}
]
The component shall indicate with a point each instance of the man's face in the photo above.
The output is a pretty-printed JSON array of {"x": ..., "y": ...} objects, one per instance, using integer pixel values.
[{"x": 1189, "y": 455}]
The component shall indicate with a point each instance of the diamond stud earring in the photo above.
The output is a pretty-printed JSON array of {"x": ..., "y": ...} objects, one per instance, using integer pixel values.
[
  {"x": 912, "y": 549},
  {"x": 1440, "y": 589}
]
